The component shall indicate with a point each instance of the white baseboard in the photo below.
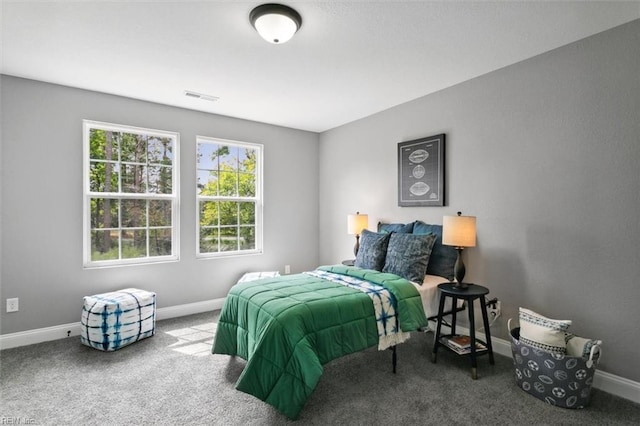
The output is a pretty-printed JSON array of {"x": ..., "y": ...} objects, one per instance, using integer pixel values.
[
  {"x": 604, "y": 381},
  {"x": 39, "y": 335},
  {"x": 617, "y": 385},
  {"x": 189, "y": 309},
  {"x": 30, "y": 337}
]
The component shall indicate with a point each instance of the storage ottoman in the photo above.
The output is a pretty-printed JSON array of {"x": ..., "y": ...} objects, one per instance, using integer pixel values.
[
  {"x": 113, "y": 320},
  {"x": 557, "y": 379}
]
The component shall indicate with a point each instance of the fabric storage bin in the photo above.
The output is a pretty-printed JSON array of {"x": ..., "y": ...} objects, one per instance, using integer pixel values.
[
  {"x": 557, "y": 379},
  {"x": 112, "y": 320}
]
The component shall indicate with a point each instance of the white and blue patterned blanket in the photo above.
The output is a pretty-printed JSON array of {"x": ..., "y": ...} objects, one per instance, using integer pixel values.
[{"x": 384, "y": 305}]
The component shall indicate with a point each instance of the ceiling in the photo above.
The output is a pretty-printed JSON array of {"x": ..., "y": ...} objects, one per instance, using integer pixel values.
[{"x": 349, "y": 60}]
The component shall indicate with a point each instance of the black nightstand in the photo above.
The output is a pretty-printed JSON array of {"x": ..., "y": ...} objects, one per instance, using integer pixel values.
[
  {"x": 469, "y": 294},
  {"x": 349, "y": 262}
]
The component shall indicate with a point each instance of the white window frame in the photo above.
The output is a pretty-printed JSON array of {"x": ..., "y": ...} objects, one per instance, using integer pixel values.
[
  {"x": 87, "y": 125},
  {"x": 258, "y": 199}
]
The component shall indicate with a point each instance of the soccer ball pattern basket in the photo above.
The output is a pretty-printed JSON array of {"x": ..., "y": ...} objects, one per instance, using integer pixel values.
[{"x": 557, "y": 379}]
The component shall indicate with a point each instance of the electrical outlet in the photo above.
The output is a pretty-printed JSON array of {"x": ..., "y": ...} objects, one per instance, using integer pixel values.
[
  {"x": 494, "y": 310},
  {"x": 13, "y": 304},
  {"x": 287, "y": 269}
]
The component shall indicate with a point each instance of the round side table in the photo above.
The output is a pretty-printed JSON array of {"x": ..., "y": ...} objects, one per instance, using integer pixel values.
[{"x": 470, "y": 294}]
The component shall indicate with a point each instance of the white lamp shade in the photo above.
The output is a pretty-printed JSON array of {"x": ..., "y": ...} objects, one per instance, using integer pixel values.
[
  {"x": 459, "y": 231},
  {"x": 356, "y": 223},
  {"x": 276, "y": 28}
]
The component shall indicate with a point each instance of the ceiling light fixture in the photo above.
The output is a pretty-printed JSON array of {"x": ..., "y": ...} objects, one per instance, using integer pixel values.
[{"x": 275, "y": 23}]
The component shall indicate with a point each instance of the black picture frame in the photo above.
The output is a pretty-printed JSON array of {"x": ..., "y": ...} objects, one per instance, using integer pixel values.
[{"x": 421, "y": 172}]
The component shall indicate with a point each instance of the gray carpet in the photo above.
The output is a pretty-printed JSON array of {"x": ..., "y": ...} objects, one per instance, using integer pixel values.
[{"x": 172, "y": 378}]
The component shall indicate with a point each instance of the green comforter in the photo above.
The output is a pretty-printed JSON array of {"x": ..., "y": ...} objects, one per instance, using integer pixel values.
[{"x": 287, "y": 327}]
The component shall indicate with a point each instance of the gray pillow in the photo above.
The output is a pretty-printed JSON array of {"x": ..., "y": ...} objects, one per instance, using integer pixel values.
[
  {"x": 408, "y": 255},
  {"x": 372, "y": 251},
  {"x": 400, "y": 228},
  {"x": 443, "y": 258}
]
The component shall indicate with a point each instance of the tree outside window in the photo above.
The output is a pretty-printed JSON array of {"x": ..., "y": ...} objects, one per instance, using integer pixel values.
[
  {"x": 130, "y": 195},
  {"x": 229, "y": 197}
]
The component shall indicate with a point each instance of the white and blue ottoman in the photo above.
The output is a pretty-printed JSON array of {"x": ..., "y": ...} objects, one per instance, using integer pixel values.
[{"x": 113, "y": 320}]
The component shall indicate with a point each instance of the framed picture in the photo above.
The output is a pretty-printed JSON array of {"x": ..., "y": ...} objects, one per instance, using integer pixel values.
[{"x": 421, "y": 172}]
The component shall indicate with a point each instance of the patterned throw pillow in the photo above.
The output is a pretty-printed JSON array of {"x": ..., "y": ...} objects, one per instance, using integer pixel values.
[
  {"x": 542, "y": 332},
  {"x": 372, "y": 251},
  {"x": 408, "y": 255}
]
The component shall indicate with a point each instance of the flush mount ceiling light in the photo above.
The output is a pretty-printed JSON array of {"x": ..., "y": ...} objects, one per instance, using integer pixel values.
[{"x": 275, "y": 23}]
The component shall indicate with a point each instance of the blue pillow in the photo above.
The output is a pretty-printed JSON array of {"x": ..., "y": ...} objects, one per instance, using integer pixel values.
[
  {"x": 372, "y": 251},
  {"x": 400, "y": 228},
  {"x": 443, "y": 258},
  {"x": 408, "y": 255}
]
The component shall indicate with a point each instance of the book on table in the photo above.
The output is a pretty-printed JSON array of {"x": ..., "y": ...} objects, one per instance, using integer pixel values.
[
  {"x": 462, "y": 350},
  {"x": 461, "y": 341}
]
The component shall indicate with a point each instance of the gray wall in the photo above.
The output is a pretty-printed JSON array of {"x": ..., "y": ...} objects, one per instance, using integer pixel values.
[
  {"x": 546, "y": 154},
  {"x": 42, "y": 203}
]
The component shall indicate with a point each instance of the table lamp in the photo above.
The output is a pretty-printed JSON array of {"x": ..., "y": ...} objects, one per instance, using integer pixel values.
[
  {"x": 460, "y": 232},
  {"x": 355, "y": 224}
]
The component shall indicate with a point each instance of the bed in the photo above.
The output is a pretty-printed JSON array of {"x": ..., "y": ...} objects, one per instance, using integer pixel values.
[{"x": 288, "y": 327}]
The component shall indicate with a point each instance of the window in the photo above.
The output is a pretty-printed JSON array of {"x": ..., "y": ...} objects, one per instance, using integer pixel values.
[
  {"x": 130, "y": 195},
  {"x": 229, "y": 197}
]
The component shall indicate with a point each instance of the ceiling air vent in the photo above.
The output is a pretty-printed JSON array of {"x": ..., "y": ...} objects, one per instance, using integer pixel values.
[{"x": 202, "y": 96}]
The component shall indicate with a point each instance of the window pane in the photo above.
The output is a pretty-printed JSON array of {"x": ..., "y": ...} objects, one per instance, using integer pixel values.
[
  {"x": 209, "y": 240},
  {"x": 228, "y": 213},
  {"x": 134, "y": 177},
  {"x": 134, "y": 244},
  {"x": 228, "y": 183},
  {"x": 207, "y": 156},
  {"x": 160, "y": 151},
  {"x": 134, "y": 213},
  {"x": 104, "y": 213},
  {"x": 97, "y": 142},
  {"x": 209, "y": 211},
  {"x": 102, "y": 145},
  {"x": 247, "y": 237},
  {"x": 247, "y": 160},
  {"x": 229, "y": 239},
  {"x": 159, "y": 180},
  {"x": 159, "y": 212},
  {"x": 104, "y": 245},
  {"x": 247, "y": 213},
  {"x": 207, "y": 183},
  {"x": 133, "y": 148},
  {"x": 247, "y": 185},
  {"x": 103, "y": 177},
  {"x": 160, "y": 242},
  {"x": 228, "y": 156}
]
